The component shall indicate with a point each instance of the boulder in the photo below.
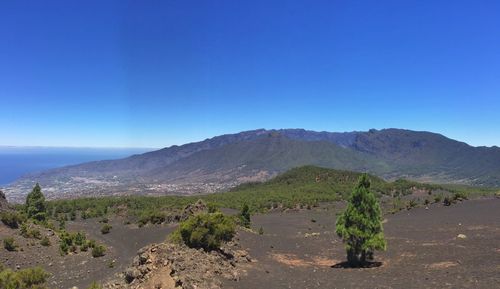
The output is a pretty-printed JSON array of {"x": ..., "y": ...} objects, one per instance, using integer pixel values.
[{"x": 4, "y": 205}]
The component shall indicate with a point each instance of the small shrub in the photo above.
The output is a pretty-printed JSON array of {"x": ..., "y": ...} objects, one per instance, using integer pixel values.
[
  {"x": 63, "y": 248},
  {"x": 45, "y": 241},
  {"x": 11, "y": 219},
  {"x": 62, "y": 224},
  {"x": 245, "y": 216},
  {"x": 79, "y": 238},
  {"x": 33, "y": 278},
  {"x": 411, "y": 204},
  {"x": 111, "y": 264},
  {"x": 28, "y": 232},
  {"x": 448, "y": 201},
  {"x": 426, "y": 202},
  {"x": 212, "y": 207},
  {"x": 261, "y": 231},
  {"x": 151, "y": 217},
  {"x": 106, "y": 228},
  {"x": 205, "y": 231},
  {"x": 98, "y": 251},
  {"x": 35, "y": 233},
  {"x": 438, "y": 198},
  {"x": 104, "y": 220},
  {"x": 9, "y": 244},
  {"x": 86, "y": 245},
  {"x": 459, "y": 196}
]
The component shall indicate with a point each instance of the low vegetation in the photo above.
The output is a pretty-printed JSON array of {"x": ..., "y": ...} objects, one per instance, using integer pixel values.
[
  {"x": 9, "y": 244},
  {"x": 30, "y": 231},
  {"x": 31, "y": 278},
  {"x": 106, "y": 228},
  {"x": 244, "y": 216},
  {"x": 45, "y": 241},
  {"x": 206, "y": 231},
  {"x": 98, "y": 251},
  {"x": 302, "y": 187},
  {"x": 12, "y": 219}
]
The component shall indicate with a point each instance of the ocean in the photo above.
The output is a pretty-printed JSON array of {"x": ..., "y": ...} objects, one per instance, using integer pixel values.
[{"x": 18, "y": 161}]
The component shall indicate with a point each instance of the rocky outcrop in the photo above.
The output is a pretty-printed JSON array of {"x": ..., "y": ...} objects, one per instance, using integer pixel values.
[
  {"x": 169, "y": 265},
  {"x": 193, "y": 209},
  {"x": 4, "y": 205}
]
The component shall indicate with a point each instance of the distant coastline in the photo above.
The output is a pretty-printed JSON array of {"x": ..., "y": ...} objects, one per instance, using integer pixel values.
[{"x": 17, "y": 161}]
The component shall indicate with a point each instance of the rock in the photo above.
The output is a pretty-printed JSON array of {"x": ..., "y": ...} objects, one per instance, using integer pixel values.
[
  {"x": 4, "y": 205},
  {"x": 131, "y": 274},
  {"x": 143, "y": 258},
  {"x": 193, "y": 209},
  {"x": 461, "y": 236}
]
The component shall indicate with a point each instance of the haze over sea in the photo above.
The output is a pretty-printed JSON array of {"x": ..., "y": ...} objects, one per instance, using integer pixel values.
[{"x": 18, "y": 161}]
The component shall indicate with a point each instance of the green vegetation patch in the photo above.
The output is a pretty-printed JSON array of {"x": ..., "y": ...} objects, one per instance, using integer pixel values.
[
  {"x": 206, "y": 231},
  {"x": 31, "y": 278}
]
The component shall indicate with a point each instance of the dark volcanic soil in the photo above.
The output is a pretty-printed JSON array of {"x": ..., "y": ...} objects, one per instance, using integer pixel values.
[
  {"x": 301, "y": 250},
  {"x": 82, "y": 269},
  {"x": 424, "y": 250}
]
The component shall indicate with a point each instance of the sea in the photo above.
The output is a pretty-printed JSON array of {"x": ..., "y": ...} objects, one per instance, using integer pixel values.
[{"x": 18, "y": 161}]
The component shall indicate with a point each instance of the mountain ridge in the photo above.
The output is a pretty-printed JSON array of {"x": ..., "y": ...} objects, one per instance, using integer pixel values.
[{"x": 257, "y": 155}]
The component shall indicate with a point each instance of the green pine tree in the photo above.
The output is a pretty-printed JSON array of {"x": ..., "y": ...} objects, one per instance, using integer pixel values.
[
  {"x": 245, "y": 216},
  {"x": 360, "y": 225},
  {"x": 35, "y": 204}
]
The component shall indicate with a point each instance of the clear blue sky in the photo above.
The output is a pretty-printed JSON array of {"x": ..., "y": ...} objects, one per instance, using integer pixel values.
[{"x": 157, "y": 73}]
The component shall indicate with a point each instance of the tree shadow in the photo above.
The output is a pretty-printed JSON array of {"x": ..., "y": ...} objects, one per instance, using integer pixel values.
[{"x": 346, "y": 265}]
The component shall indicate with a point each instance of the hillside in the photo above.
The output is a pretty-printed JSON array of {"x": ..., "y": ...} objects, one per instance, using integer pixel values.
[
  {"x": 224, "y": 161},
  {"x": 302, "y": 186}
]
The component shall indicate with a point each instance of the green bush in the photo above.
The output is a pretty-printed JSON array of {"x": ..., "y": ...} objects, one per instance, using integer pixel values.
[
  {"x": 9, "y": 244},
  {"x": 63, "y": 248},
  {"x": 87, "y": 244},
  {"x": 106, "y": 228},
  {"x": 11, "y": 219},
  {"x": 45, "y": 241},
  {"x": 70, "y": 241},
  {"x": 98, "y": 251},
  {"x": 460, "y": 196},
  {"x": 62, "y": 224},
  {"x": 153, "y": 217},
  {"x": 438, "y": 198},
  {"x": 31, "y": 278},
  {"x": 79, "y": 238},
  {"x": 205, "y": 231},
  {"x": 27, "y": 231},
  {"x": 261, "y": 231},
  {"x": 245, "y": 216}
]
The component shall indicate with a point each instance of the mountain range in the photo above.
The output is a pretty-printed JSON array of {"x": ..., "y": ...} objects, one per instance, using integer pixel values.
[{"x": 224, "y": 161}]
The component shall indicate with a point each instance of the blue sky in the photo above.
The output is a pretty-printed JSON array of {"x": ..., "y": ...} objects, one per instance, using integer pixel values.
[{"x": 157, "y": 73}]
